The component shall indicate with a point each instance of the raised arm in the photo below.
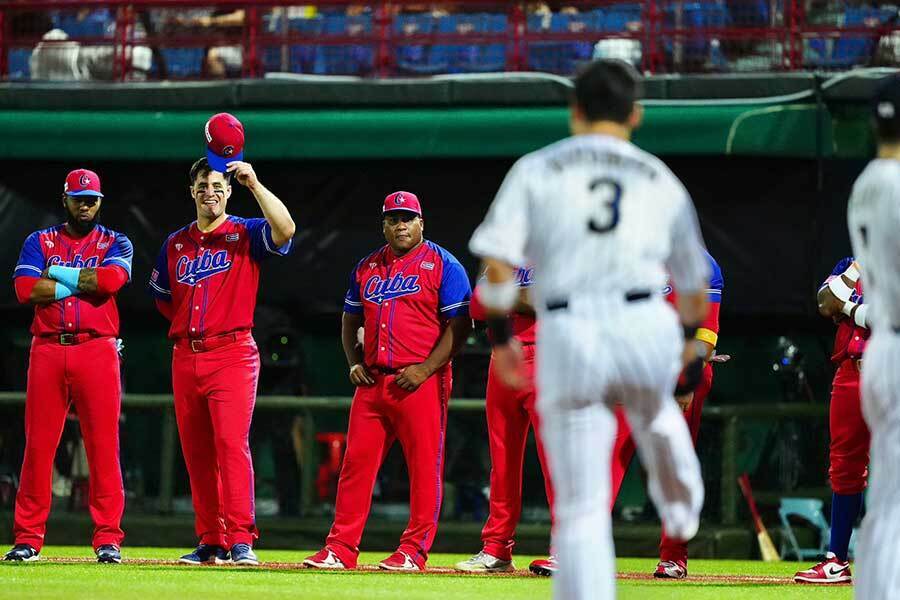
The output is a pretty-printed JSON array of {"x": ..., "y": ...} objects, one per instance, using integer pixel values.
[{"x": 273, "y": 209}]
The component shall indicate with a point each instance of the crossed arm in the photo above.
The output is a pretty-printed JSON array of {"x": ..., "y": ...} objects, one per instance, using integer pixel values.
[{"x": 100, "y": 281}]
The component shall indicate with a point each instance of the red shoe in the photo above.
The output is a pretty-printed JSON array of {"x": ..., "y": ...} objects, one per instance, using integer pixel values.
[
  {"x": 830, "y": 570},
  {"x": 324, "y": 559},
  {"x": 671, "y": 569},
  {"x": 545, "y": 567},
  {"x": 400, "y": 561}
]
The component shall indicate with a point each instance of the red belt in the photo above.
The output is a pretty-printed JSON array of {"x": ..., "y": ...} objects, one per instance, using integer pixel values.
[
  {"x": 207, "y": 344},
  {"x": 66, "y": 339}
]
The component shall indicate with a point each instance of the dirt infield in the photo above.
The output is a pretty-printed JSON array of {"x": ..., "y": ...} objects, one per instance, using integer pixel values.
[{"x": 447, "y": 571}]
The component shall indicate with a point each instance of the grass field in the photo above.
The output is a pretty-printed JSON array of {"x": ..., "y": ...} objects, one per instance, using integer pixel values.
[{"x": 68, "y": 573}]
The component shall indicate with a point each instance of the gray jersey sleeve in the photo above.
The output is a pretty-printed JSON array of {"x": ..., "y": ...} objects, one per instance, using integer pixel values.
[
  {"x": 687, "y": 263},
  {"x": 503, "y": 234}
]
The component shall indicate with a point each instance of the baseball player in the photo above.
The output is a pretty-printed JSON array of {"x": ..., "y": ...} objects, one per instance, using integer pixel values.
[
  {"x": 874, "y": 219},
  {"x": 510, "y": 413},
  {"x": 71, "y": 273},
  {"x": 205, "y": 282},
  {"x": 673, "y": 556},
  {"x": 412, "y": 299},
  {"x": 602, "y": 222},
  {"x": 841, "y": 298}
]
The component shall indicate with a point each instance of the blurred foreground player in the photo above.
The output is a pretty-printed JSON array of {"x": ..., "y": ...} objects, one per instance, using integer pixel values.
[
  {"x": 873, "y": 217},
  {"x": 412, "y": 299},
  {"x": 71, "y": 273},
  {"x": 602, "y": 222},
  {"x": 205, "y": 282}
]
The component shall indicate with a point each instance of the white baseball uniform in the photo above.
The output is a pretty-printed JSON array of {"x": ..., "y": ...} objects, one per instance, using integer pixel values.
[
  {"x": 873, "y": 216},
  {"x": 603, "y": 222}
]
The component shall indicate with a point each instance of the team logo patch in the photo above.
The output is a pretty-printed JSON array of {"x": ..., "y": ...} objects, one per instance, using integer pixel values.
[
  {"x": 49, "y": 243},
  {"x": 427, "y": 265},
  {"x": 154, "y": 275},
  {"x": 178, "y": 247},
  {"x": 102, "y": 245},
  {"x": 227, "y": 150},
  {"x": 191, "y": 271},
  {"x": 379, "y": 290},
  {"x": 84, "y": 180},
  {"x": 77, "y": 262},
  {"x": 525, "y": 277},
  {"x": 373, "y": 265},
  {"x": 232, "y": 237},
  {"x": 399, "y": 199}
]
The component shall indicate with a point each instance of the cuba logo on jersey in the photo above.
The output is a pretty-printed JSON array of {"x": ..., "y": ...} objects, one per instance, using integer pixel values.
[
  {"x": 77, "y": 262},
  {"x": 190, "y": 271},
  {"x": 525, "y": 277},
  {"x": 667, "y": 290},
  {"x": 378, "y": 290}
]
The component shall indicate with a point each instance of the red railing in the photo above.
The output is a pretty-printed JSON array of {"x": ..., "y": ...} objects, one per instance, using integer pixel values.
[{"x": 136, "y": 39}]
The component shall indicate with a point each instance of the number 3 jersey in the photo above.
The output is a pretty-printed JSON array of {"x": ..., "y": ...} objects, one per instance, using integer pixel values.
[
  {"x": 211, "y": 278},
  {"x": 597, "y": 217},
  {"x": 406, "y": 302}
]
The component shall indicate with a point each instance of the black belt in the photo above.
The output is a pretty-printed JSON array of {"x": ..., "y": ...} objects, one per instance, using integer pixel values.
[{"x": 630, "y": 296}]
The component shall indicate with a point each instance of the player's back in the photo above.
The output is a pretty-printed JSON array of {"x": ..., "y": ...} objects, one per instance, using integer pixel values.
[
  {"x": 601, "y": 216},
  {"x": 873, "y": 216}
]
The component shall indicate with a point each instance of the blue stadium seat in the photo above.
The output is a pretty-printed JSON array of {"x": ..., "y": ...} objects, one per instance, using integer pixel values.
[
  {"x": 617, "y": 16},
  {"x": 471, "y": 58},
  {"x": 698, "y": 15},
  {"x": 97, "y": 23},
  {"x": 564, "y": 57},
  {"x": 345, "y": 59},
  {"x": 303, "y": 56},
  {"x": 855, "y": 49},
  {"x": 416, "y": 58},
  {"x": 182, "y": 63},
  {"x": 19, "y": 68}
]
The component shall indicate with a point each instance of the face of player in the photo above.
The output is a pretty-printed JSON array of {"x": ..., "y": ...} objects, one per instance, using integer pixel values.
[
  {"x": 211, "y": 192},
  {"x": 403, "y": 231},
  {"x": 82, "y": 212}
]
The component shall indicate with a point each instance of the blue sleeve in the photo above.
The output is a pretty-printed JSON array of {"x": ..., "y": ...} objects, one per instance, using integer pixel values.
[
  {"x": 839, "y": 268},
  {"x": 352, "y": 301},
  {"x": 261, "y": 243},
  {"x": 31, "y": 259},
  {"x": 455, "y": 291},
  {"x": 716, "y": 281},
  {"x": 120, "y": 253},
  {"x": 159, "y": 285}
]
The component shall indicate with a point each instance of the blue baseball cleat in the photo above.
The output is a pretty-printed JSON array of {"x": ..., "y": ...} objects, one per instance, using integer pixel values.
[
  {"x": 206, "y": 554},
  {"x": 242, "y": 554},
  {"x": 109, "y": 554},
  {"x": 22, "y": 553}
]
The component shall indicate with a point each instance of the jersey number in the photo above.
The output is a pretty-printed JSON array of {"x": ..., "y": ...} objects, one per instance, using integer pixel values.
[{"x": 610, "y": 193}]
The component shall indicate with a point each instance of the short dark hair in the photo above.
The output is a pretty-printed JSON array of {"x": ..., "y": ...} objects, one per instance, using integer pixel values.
[
  {"x": 202, "y": 167},
  {"x": 886, "y": 111},
  {"x": 606, "y": 90}
]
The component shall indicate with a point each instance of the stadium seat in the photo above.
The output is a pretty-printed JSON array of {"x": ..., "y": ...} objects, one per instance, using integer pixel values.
[
  {"x": 810, "y": 510},
  {"x": 183, "y": 63},
  {"x": 345, "y": 59},
  {"x": 617, "y": 16},
  {"x": 19, "y": 69},
  {"x": 97, "y": 24},
  {"x": 471, "y": 58},
  {"x": 416, "y": 58},
  {"x": 856, "y": 49},
  {"x": 303, "y": 56}
]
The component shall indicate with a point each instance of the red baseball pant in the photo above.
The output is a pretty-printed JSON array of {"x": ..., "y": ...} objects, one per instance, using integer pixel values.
[
  {"x": 86, "y": 375},
  {"x": 215, "y": 392},
  {"x": 849, "y": 453},
  {"x": 624, "y": 448},
  {"x": 380, "y": 414},
  {"x": 510, "y": 413}
]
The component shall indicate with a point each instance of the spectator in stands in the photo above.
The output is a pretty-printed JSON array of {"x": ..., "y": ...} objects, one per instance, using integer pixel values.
[
  {"x": 221, "y": 61},
  {"x": 57, "y": 58}
]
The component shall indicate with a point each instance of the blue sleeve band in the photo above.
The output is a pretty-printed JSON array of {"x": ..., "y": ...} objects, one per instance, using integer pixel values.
[
  {"x": 66, "y": 275},
  {"x": 63, "y": 291}
]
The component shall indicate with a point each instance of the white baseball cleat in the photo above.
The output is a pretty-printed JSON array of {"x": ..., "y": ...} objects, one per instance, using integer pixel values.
[
  {"x": 485, "y": 563},
  {"x": 830, "y": 570},
  {"x": 324, "y": 559}
]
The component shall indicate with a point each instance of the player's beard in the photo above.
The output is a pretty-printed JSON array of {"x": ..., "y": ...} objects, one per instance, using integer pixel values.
[{"x": 80, "y": 227}]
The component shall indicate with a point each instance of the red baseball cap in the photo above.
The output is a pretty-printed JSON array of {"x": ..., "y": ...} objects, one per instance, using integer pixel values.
[
  {"x": 224, "y": 141},
  {"x": 402, "y": 201},
  {"x": 82, "y": 182}
]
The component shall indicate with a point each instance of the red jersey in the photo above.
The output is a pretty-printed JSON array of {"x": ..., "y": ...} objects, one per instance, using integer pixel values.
[
  {"x": 524, "y": 327},
  {"x": 406, "y": 302},
  {"x": 709, "y": 329},
  {"x": 102, "y": 247},
  {"x": 850, "y": 339},
  {"x": 211, "y": 278}
]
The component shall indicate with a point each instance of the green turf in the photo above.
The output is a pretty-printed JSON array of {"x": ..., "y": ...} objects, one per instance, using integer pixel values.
[{"x": 49, "y": 579}]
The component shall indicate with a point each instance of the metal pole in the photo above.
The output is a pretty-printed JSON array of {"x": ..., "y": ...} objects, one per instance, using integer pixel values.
[
  {"x": 167, "y": 461},
  {"x": 729, "y": 471}
]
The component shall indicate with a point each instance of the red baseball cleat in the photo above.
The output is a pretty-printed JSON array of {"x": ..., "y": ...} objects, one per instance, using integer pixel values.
[
  {"x": 545, "y": 567},
  {"x": 400, "y": 561},
  {"x": 671, "y": 569},
  {"x": 324, "y": 559},
  {"x": 830, "y": 570}
]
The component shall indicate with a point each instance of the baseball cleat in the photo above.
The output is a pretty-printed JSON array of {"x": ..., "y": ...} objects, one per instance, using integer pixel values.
[
  {"x": 243, "y": 555},
  {"x": 485, "y": 563},
  {"x": 206, "y": 554},
  {"x": 671, "y": 569},
  {"x": 399, "y": 561},
  {"x": 22, "y": 553},
  {"x": 545, "y": 567},
  {"x": 109, "y": 554},
  {"x": 830, "y": 570},
  {"x": 324, "y": 559}
]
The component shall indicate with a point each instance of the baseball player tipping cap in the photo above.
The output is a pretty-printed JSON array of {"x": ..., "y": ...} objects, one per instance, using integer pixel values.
[
  {"x": 402, "y": 201},
  {"x": 224, "y": 141},
  {"x": 82, "y": 182}
]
